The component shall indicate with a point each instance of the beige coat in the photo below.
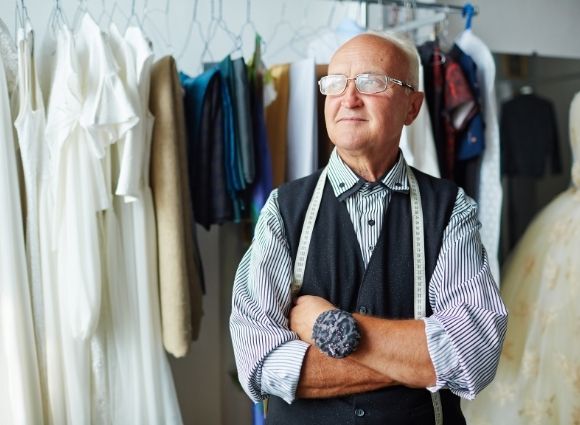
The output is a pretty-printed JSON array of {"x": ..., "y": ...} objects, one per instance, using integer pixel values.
[{"x": 179, "y": 266}]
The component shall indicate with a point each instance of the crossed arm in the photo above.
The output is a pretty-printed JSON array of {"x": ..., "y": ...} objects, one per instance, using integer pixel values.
[
  {"x": 465, "y": 333},
  {"x": 391, "y": 352}
]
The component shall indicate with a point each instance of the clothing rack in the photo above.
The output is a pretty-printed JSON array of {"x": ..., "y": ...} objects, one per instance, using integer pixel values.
[{"x": 437, "y": 7}]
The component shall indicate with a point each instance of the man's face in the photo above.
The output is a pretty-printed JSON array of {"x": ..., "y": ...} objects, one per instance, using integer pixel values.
[{"x": 369, "y": 122}]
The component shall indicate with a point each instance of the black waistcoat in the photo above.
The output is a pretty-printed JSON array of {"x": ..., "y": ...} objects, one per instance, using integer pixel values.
[{"x": 335, "y": 271}]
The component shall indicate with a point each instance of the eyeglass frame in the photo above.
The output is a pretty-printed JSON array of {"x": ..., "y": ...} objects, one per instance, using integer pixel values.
[{"x": 388, "y": 79}]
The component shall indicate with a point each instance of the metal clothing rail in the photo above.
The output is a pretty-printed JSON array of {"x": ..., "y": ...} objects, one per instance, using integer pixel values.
[
  {"x": 438, "y": 7},
  {"x": 451, "y": 8}
]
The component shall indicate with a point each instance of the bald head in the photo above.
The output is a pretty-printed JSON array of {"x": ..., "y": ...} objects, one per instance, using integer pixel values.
[{"x": 385, "y": 49}]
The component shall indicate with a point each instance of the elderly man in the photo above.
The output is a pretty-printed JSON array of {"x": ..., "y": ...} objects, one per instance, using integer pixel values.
[{"x": 366, "y": 295}]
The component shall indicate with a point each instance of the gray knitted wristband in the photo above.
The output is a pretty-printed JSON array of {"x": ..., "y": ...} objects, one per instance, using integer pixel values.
[{"x": 335, "y": 333}]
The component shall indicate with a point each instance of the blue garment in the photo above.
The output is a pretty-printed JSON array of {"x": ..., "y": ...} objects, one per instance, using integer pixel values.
[
  {"x": 263, "y": 180},
  {"x": 234, "y": 179},
  {"x": 472, "y": 142},
  {"x": 243, "y": 111},
  {"x": 234, "y": 156},
  {"x": 204, "y": 118}
]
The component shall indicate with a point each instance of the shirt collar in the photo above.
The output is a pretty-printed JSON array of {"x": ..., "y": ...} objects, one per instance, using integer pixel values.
[{"x": 345, "y": 182}]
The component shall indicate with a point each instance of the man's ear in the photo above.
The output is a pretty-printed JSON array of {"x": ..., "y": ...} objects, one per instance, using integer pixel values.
[{"x": 415, "y": 106}]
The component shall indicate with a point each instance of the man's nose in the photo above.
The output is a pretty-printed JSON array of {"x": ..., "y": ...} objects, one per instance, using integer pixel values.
[{"x": 351, "y": 97}]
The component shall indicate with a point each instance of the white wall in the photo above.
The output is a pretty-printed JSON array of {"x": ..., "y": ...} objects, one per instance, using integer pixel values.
[
  {"x": 548, "y": 28},
  {"x": 206, "y": 393}
]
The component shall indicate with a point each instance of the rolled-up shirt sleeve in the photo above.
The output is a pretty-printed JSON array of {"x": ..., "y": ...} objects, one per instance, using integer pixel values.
[
  {"x": 268, "y": 354},
  {"x": 465, "y": 333}
]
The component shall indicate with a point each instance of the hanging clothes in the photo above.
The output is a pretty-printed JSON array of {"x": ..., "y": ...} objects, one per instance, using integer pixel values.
[
  {"x": 529, "y": 137},
  {"x": 235, "y": 181},
  {"x": 277, "y": 122},
  {"x": 417, "y": 141},
  {"x": 156, "y": 399},
  {"x": 530, "y": 148},
  {"x": 20, "y": 397},
  {"x": 215, "y": 201},
  {"x": 432, "y": 60},
  {"x": 54, "y": 361},
  {"x": 30, "y": 125},
  {"x": 490, "y": 189},
  {"x": 537, "y": 379},
  {"x": 465, "y": 128},
  {"x": 180, "y": 268},
  {"x": 9, "y": 56},
  {"x": 302, "y": 129},
  {"x": 262, "y": 184},
  {"x": 243, "y": 119}
]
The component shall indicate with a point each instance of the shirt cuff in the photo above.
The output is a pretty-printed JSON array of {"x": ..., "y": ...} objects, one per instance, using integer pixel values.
[
  {"x": 442, "y": 353},
  {"x": 281, "y": 370}
]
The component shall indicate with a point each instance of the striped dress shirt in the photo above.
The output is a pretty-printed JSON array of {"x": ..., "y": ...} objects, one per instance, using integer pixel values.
[{"x": 464, "y": 334}]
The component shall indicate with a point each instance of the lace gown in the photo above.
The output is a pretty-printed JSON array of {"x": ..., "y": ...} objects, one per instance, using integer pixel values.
[{"x": 538, "y": 380}]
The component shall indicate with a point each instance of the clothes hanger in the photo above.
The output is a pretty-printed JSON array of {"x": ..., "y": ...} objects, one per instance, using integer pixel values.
[
  {"x": 248, "y": 24},
  {"x": 468, "y": 12},
  {"x": 133, "y": 17},
  {"x": 79, "y": 13},
  {"x": 22, "y": 17},
  {"x": 195, "y": 24},
  {"x": 150, "y": 23},
  {"x": 299, "y": 34},
  {"x": 282, "y": 23},
  {"x": 56, "y": 19},
  {"x": 107, "y": 14},
  {"x": 217, "y": 22},
  {"x": 418, "y": 23}
]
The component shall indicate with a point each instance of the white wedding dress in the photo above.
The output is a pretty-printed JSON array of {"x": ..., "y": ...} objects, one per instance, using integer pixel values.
[
  {"x": 155, "y": 400},
  {"x": 20, "y": 397},
  {"x": 538, "y": 380}
]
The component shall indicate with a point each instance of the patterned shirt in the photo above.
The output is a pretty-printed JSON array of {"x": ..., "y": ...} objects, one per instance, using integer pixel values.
[{"x": 464, "y": 334}]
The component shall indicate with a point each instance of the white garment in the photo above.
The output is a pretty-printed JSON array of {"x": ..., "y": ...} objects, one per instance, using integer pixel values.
[
  {"x": 74, "y": 230},
  {"x": 85, "y": 115},
  {"x": 155, "y": 400},
  {"x": 490, "y": 189},
  {"x": 56, "y": 409},
  {"x": 417, "y": 141},
  {"x": 9, "y": 56},
  {"x": 302, "y": 126},
  {"x": 30, "y": 125},
  {"x": 20, "y": 399},
  {"x": 537, "y": 382},
  {"x": 323, "y": 46}
]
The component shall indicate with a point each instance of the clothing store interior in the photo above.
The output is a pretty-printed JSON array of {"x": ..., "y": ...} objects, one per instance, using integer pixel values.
[{"x": 124, "y": 228}]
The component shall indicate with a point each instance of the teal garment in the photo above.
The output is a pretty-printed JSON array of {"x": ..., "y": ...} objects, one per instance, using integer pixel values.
[
  {"x": 233, "y": 152},
  {"x": 205, "y": 149},
  {"x": 235, "y": 182}
]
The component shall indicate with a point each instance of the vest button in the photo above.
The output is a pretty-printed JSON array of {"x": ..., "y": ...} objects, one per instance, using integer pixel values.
[
  {"x": 363, "y": 310},
  {"x": 359, "y": 412}
]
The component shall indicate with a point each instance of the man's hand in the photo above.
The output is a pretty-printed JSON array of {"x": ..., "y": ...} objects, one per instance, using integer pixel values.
[{"x": 304, "y": 314}]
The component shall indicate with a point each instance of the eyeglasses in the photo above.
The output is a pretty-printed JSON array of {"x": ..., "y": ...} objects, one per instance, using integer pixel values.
[{"x": 334, "y": 85}]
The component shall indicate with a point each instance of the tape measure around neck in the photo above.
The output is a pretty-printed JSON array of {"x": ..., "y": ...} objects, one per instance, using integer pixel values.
[
  {"x": 307, "y": 227},
  {"x": 420, "y": 297},
  {"x": 420, "y": 286}
]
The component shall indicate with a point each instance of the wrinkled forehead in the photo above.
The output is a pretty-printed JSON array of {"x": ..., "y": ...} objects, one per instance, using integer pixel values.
[{"x": 368, "y": 55}]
